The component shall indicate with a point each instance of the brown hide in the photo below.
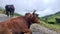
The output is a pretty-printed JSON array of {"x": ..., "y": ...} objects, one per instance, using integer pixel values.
[{"x": 18, "y": 25}]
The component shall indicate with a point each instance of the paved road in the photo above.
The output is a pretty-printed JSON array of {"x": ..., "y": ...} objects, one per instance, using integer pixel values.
[
  {"x": 43, "y": 30},
  {"x": 3, "y": 17}
]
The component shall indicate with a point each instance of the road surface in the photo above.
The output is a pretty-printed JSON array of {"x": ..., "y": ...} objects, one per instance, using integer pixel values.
[{"x": 43, "y": 30}]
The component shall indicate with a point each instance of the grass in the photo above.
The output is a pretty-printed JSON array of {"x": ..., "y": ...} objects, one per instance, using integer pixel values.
[
  {"x": 15, "y": 14},
  {"x": 2, "y": 12},
  {"x": 55, "y": 27}
]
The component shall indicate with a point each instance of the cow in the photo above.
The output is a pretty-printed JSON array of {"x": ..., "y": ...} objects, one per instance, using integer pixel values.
[
  {"x": 19, "y": 25},
  {"x": 9, "y": 10}
]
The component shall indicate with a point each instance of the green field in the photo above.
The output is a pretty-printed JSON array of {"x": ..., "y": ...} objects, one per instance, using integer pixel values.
[
  {"x": 55, "y": 27},
  {"x": 51, "y": 18}
]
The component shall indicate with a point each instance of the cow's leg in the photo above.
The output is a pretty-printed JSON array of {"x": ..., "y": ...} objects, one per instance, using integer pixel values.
[
  {"x": 11, "y": 13},
  {"x": 22, "y": 32},
  {"x": 28, "y": 31},
  {"x": 15, "y": 32},
  {"x": 9, "y": 31},
  {"x": 7, "y": 13}
]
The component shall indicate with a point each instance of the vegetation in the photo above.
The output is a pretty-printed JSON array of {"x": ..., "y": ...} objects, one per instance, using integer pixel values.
[
  {"x": 16, "y": 14},
  {"x": 47, "y": 21},
  {"x": 51, "y": 18},
  {"x": 51, "y": 21},
  {"x": 55, "y": 27},
  {"x": 2, "y": 11}
]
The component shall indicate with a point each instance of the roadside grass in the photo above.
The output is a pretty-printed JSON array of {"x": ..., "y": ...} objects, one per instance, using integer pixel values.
[
  {"x": 1, "y": 12},
  {"x": 55, "y": 27},
  {"x": 15, "y": 14}
]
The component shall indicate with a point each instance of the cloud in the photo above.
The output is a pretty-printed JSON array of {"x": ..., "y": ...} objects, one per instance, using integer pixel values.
[
  {"x": 43, "y": 7},
  {"x": 47, "y": 11}
]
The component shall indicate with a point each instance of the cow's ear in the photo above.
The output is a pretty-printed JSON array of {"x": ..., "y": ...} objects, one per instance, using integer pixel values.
[{"x": 27, "y": 13}]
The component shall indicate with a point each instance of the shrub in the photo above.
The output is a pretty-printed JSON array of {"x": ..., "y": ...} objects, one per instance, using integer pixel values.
[
  {"x": 58, "y": 20},
  {"x": 51, "y": 22}
]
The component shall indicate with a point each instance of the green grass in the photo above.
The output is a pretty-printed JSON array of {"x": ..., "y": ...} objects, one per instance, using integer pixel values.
[
  {"x": 55, "y": 27},
  {"x": 1, "y": 9},
  {"x": 16, "y": 14},
  {"x": 51, "y": 18},
  {"x": 2, "y": 12}
]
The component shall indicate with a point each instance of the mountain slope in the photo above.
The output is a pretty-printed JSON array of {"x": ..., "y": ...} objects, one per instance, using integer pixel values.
[{"x": 51, "y": 17}]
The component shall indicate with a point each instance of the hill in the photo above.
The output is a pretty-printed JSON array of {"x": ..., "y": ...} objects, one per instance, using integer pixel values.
[
  {"x": 51, "y": 17},
  {"x": 51, "y": 21},
  {"x": 56, "y": 14}
]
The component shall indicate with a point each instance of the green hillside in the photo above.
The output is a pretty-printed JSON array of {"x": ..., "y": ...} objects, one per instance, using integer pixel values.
[
  {"x": 50, "y": 21},
  {"x": 52, "y": 17}
]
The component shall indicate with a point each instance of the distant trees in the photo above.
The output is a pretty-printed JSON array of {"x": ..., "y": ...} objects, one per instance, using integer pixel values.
[
  {"x": 1, "y": 9},
  {"x": 57, "y": 20}
]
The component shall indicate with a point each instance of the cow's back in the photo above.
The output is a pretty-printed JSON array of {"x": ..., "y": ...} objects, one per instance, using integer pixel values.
[{"x": 18, "y": 24}]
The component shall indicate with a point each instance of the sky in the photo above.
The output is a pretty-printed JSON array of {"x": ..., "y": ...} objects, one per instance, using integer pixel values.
[{"x": 43, "y": 7}]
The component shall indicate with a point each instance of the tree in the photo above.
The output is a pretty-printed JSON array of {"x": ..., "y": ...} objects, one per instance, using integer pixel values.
[{"x": 1, "y": 9}]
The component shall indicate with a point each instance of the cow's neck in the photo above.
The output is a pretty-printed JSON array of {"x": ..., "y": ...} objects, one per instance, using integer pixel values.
[{"x": 28, "y": 21}]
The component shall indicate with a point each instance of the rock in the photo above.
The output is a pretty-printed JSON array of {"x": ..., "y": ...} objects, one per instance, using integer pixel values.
[{"x": 37, "y": 28}]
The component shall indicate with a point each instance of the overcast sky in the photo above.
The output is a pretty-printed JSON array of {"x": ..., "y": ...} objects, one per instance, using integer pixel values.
[{"x": 43, "y": 7}]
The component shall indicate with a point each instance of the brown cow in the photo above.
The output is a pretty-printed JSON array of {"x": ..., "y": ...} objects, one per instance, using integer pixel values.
[{"x": 18, "y": 25}]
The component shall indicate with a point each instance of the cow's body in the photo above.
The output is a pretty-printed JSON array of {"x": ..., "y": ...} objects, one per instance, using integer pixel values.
[
  {"x": 9, "y": 10},
  {"x": 19, "y": 25}
]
